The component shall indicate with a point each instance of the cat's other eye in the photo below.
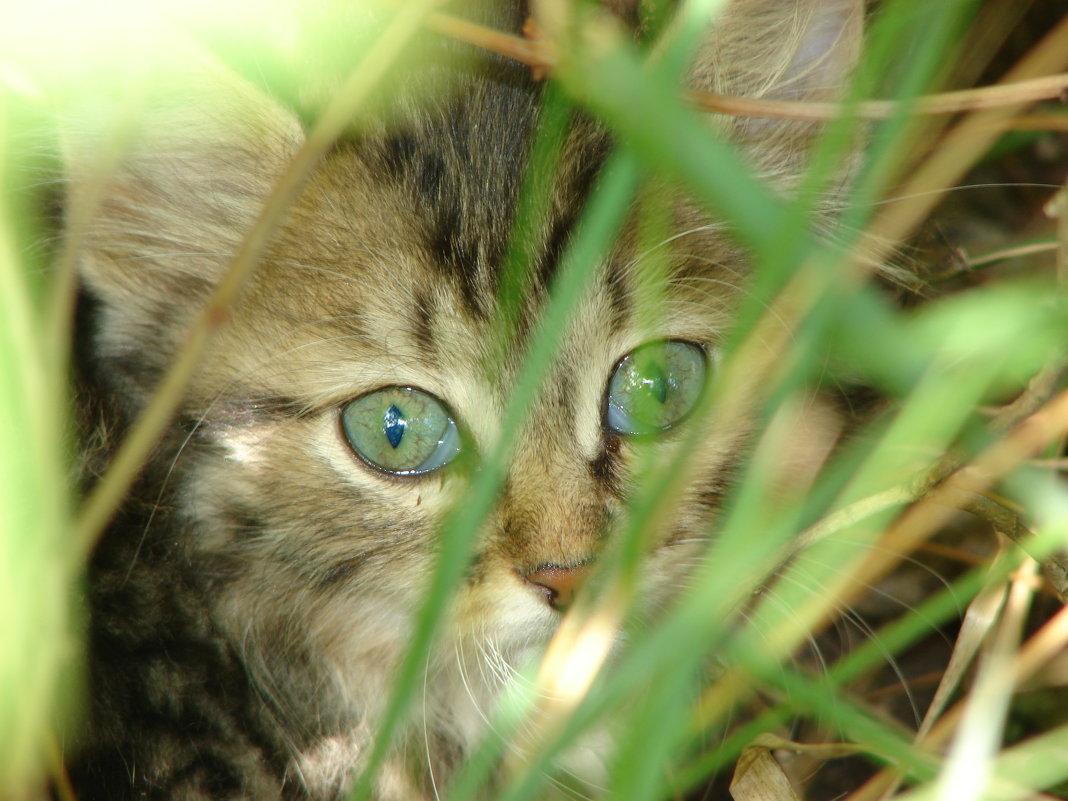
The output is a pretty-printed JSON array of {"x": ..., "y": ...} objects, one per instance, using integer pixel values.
[
  {"x": 654, "y": 387},
  {"x": 401, "y": 430}
]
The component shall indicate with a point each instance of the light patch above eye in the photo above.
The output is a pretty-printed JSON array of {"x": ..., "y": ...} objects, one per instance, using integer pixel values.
[
  {"x": 401, "y": 430},
  {"x": 655, "y": 386}
]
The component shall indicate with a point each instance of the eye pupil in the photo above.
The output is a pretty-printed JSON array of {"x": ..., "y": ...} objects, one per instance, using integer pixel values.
[
  {"x": 394, "y": 425},
  {"x": 657, "y": 386}
]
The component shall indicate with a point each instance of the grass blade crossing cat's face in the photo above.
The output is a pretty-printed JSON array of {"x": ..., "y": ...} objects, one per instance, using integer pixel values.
[{"x": 255, "y": 594}]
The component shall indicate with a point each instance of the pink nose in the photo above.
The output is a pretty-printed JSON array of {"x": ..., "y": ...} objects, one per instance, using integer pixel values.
[{"x": 558, "y": 583}]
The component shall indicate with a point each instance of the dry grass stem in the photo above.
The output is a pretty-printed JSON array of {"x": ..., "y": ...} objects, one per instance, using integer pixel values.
[
  {"x": 1003, "y": 255},
  {"x": 1057, "y": 209},
  {"x": 536, "y": 54},
  {"x": 542, "y": 56},
  {"x": 959, "y": 102},
  {"x": 1050, "y": 464},
  {"x": 1040, "y": 122}
]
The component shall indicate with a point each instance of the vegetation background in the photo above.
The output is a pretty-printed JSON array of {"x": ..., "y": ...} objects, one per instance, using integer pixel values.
[{"x": 915, "y": 646}]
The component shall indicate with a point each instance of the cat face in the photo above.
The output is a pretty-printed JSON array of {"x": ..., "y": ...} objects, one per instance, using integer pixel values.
[
  {"x": 362, "y": 377},
  {"x": 360, "y": 308}
]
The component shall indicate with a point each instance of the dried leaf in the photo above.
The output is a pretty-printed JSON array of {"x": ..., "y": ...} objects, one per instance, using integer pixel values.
[{"x": 759, "y": 777}]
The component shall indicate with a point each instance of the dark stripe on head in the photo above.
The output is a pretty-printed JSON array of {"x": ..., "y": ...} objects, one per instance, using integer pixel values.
[
  {"x": 587, "y": 150},
  {"x": 559, "y": 235},
  {"x": 714, "y": 493},
  {"x": 243, "y": 523},
  {"x": 711, "y": 498},
  {"x": 341, "y": 572},
  {"x": 457, "y": 253},
  {"x": 564, "y": 393},
  {"x": 422, "y": 332},
  {"x": 605, "y": 467},
  {"x": 620, "y": 297},
  {"x": 407, "y": 160}
]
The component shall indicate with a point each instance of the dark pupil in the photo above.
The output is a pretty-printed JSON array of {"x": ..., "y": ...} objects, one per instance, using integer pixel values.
[
  {"x": 656, "y": 385},
  {"x": 394, "y": 425}
]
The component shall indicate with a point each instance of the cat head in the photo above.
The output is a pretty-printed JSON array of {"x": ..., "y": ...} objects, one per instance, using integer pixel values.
[{"x": 359, "y": 381}]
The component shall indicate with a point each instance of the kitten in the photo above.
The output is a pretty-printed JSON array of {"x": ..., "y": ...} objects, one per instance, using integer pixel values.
[{"x": 255, "y": 593}]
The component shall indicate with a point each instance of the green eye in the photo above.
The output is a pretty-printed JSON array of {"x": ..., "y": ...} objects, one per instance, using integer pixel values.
[
  {"x": 401, "y": 430},
  {"x": 655, "y": 386}
]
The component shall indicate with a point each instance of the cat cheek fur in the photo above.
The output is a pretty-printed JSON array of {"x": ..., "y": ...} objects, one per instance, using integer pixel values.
[{"x": 254, "y": 595}]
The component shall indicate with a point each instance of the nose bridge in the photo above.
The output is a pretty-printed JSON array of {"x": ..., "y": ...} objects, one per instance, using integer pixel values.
[{"x": 552, "y": 511}]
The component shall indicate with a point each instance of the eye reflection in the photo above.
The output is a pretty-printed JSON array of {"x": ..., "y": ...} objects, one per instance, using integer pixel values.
[{"x": 655, "y": 386}]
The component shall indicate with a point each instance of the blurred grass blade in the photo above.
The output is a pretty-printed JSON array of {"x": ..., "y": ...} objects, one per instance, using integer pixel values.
[{"x": 35, "y": 569}]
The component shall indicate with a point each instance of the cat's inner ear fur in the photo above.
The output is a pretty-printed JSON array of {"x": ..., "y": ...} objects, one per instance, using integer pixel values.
[{"x": 781, "y": 49}]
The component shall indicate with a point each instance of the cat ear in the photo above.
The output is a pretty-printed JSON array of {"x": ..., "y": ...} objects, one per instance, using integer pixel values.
[
  {"x": 182, "y": 182},
  {"x": 781, "y": 49}
]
